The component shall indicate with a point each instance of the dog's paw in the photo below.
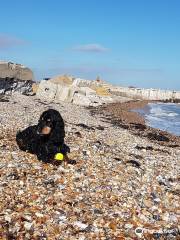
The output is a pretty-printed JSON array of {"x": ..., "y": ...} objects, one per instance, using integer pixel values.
[{"x": 65, "y": 149}]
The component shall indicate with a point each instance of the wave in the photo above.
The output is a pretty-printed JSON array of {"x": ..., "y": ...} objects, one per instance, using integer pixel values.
[
  {"x": 160, "y": 110},
  {"x": 163, "y": 116}
]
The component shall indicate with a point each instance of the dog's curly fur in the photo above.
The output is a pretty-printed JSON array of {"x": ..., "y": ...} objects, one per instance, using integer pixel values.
[{"x": 45, "y": 146}]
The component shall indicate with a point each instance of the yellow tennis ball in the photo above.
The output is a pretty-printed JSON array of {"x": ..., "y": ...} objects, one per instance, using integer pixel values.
[{"x": 59, "y": 157}]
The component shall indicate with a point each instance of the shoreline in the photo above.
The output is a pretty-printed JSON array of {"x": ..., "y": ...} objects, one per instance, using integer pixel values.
[{"x": 120, "y": 114}]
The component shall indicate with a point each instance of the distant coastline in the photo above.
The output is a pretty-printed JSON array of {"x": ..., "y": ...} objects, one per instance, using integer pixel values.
[{"x": 147, "y": 94}]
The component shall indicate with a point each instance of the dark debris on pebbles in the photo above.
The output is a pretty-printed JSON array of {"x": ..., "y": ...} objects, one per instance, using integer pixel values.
[{"x": 115, "y": 190}]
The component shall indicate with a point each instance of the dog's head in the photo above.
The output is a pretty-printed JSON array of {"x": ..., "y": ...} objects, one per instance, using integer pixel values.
[{"x": 49, "y": 121}]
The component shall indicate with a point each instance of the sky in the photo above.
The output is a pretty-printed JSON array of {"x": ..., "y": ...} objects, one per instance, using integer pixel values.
[{"x": 124, "y": 42}]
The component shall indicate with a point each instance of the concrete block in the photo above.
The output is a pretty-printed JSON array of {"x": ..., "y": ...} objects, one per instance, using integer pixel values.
[{"x": 46, "y": 90}]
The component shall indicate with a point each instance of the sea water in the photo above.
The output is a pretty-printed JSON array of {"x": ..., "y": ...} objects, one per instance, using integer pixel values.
[{"x": 164, "y": 116}]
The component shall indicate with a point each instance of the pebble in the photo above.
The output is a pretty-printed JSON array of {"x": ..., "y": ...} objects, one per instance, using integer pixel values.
[
  {"x": 28, "y": 226},
  {"x": 128, "y": 225},
  {"x": 139, "y": 232},
  {"x": 80, "y": 225},
  {"x": 99, "y": 197},
  {"x": 7, "y": 218},
  {"x": 40, "y": 215}
]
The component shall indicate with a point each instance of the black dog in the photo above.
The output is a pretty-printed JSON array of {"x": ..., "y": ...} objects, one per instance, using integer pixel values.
[{"x": 46, "y": 138}]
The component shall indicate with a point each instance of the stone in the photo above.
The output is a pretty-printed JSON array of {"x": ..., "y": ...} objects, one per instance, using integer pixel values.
[
  {"x": 79, "y": 92},
  {"x": 15, "y": 71},
  {"x": 81, "y": 100},
  {"x": 46, "y": 90},
  {"x": 87, "y": 91},
  {"x": 128, "y": 226},
  {"x": 7, "y": 218},
  {"x": 100, "y": 197},
  {"x": 50, "y": 91},
  {"x": 28, "y": 225},
  {"x": 139, "y": 231},
  {"x": 79, "y": 82},
  {"x": 65, "y": 79},
  {"x": 39, "y": 215},
  {"x": 64, "y": 93},
  {"x": 11, "y": 85},
  {"x": 15, "y": 78},
  {"x": 80, "y": 225}
]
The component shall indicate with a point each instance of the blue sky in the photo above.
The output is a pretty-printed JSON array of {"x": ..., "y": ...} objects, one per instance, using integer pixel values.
[{"x": 125, "y": 42}]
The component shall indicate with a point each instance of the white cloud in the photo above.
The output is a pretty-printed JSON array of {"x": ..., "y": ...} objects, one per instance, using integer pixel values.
[
  {"x": 7, "y": 41},
  {"x": 94, "y": 47}
]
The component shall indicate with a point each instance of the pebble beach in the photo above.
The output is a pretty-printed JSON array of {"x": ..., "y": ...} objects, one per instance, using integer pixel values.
[{"x": 123, "y": 185}]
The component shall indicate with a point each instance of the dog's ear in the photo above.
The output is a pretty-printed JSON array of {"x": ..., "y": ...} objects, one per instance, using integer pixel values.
[
  {"x": 58, "y": 118},
  {"x": 42, "y": 115},
  {"x": 58, "y": 132}
]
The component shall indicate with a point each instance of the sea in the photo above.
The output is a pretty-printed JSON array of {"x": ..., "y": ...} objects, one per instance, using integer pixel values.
[{"x": 164, "y": 116}]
